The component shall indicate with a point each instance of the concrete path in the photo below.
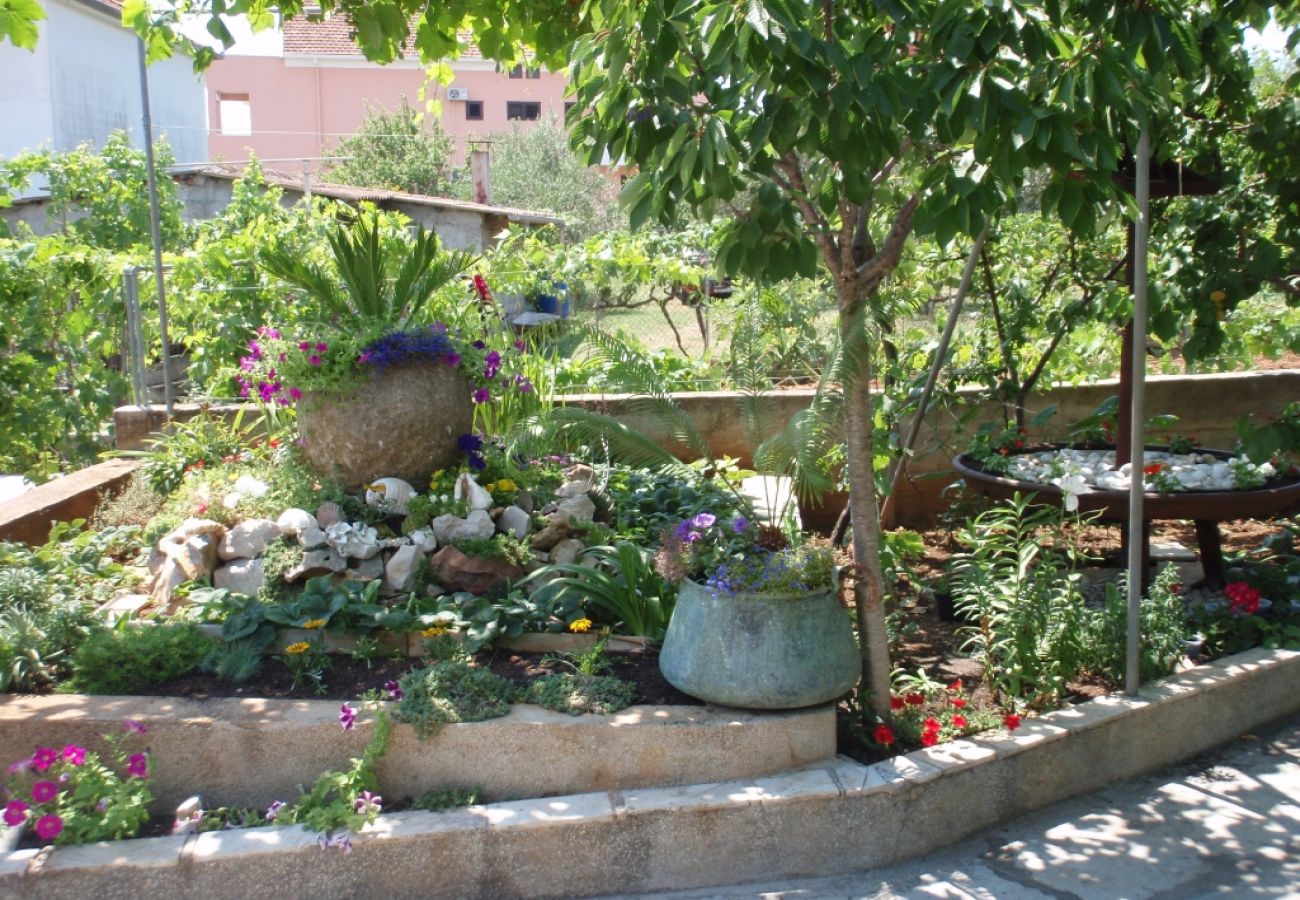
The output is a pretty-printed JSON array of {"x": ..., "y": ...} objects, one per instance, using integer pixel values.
[{"x": 1226, "y": 824}]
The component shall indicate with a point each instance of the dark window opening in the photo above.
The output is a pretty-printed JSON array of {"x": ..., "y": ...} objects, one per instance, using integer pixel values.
[
  {"x": 474, "y": 110},
  {"x": 521, "y": 110}
]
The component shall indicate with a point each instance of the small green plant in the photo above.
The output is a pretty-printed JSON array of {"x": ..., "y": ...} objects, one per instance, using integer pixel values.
[
  {"x": 307, "y": 662},
  {"x": 1245, "y": 475},
  {"x": 1163, "y": 626},
  {"x": 131, "y": 658},
  {"x": 577, "y": 693},
  {"x": 369, "y": 648},
  {"x": 75, "y": 796},
  {"x": 453, "y": 690},
  {"x": 500, "y": 546},
  {"x": 235, "y": 662},
  {"x": 1025, "y": 598},
  {"x": 443, "y": 799},
  {"x": 621, "y": 583}
]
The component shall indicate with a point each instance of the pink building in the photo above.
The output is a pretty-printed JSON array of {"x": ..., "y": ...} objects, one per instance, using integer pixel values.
[{"x": 295, "y": 93}]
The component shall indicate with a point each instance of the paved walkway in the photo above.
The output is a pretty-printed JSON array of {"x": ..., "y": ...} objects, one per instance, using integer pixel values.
[{"x": 1226, "y": 824}]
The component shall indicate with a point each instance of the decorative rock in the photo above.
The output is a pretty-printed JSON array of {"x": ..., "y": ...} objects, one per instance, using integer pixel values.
[
  {"x": 330, "y": 513},
  {"x": 404, "y": 421},
  {"x": 403, "y": 569},
  {"x": 514, "y": 520},
  {"x": 457, "y": 572},
  {"x": 578, "y": 480},
  {"x": 366, "y": 570},
  {"x": 123, "y": 606},
  {"x": 311, "y": 537},
  {"x": 423, "y": 539},
  {"x": 566, "y": 551},
  {"x": 294, "y": 521},
  {"x": 472, "y": 492},
  {"x": 352, "y": 541},
  {"x": 189, "y": 553},
  {"x": 243, "y": 576},
  {"x": 316, "y": 563},
  {"x": 389, "y": 495},
  {"x": 449, "y": 528},
  {"x": 549, "y": 536},
  {"x": 574, "y": 510},
  {"x": 249, "y": 538}
]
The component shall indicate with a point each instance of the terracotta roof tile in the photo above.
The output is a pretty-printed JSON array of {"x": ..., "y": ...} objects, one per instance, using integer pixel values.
[{"x": 333, "y": 37}]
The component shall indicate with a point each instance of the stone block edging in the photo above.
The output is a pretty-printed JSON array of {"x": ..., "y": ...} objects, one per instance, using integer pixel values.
[
  {"x": 831, "y": 817},
  {"x": 251, "y": 752}
]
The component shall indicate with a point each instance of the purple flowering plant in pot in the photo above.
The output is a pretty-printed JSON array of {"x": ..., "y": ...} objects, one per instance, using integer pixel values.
[
  {"x": 380, "y": 388},
  {"x": 758, "y": 623}
]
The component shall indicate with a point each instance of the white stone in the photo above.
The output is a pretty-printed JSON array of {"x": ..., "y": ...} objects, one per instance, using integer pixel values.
[
  {"x": 514, "y": 520},
  {"x": 472, "y": 492},
  {"x": 402, "y": 569},
  {"x": 352, "y": 541},
  {"x": 248, "y": 539},
  {"x": 449, "y": 528},
  {"x": 243, "y": 576},
  {"x": 574, "y": 509},
  {"x": 423, "y": 539},
  {"x": 389, "y": 495},
  {"x": 294, "y": 521},
  {"x": 311, "y": 537},
  {"x": 566, "y": 551}
]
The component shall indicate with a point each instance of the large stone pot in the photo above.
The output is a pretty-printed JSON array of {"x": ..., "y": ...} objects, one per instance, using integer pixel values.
[
  {"x": 403, "y": 422},
  {"x": 760, "y": 651}
]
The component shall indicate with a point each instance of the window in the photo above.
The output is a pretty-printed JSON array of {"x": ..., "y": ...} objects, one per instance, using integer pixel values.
[
  {"x": 518, "y": 109},
  {"x": 474, "y": 110},
  {"x": 534, "y": 72},
  {"x": 234, "y": 114},
  {"x": 517, "y": 71},
  {"x": 520, "y": 72}
]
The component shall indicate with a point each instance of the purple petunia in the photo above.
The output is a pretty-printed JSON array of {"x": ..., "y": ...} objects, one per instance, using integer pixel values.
[
  {"x": 135, "y": 726},
  {"x": 274, "y": 810},
  {"x": 43, "y": 758},
  {"x": 137, "y": 765},
  {"x": 739, "y": 524},
  {"x": 295, "y": 393},
  {"x": 452, "y": 359},
  {"x": 347, "y": 717},
  {"x": 367, "y": 802},
  {"x": 393, "y": 689},
  {"x": 703, "y": 520},
  {"x": 44, "y": 791}
]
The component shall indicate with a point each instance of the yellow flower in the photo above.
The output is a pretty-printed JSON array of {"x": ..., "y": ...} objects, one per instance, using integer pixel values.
[
  {"x": 1218, "y": 296},
  {"x": 433, "y": 632},
  {"x": 490, "y": 487},
  {"x": 300, "y": 647},
  {"x": 314, "y": 623},
  {"x": 580, "y": 626},
  {"x": 505, "y": 485}
]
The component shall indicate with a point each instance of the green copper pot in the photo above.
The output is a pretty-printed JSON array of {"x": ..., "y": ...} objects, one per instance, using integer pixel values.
[{"x": 760, "y": 651}]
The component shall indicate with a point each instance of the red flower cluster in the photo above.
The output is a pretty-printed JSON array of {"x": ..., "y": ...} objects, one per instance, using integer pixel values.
[
  {"x": 1153, "y": 469},
  {"x": 930, "y": 732},
  {"x": 883, "y": 735},
  {"x": 1012, "y": 721},
  {"x": 1243, "y": 599}
]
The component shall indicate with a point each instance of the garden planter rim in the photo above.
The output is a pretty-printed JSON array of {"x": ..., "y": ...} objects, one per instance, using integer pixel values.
[{"x": 762, "y": 596}]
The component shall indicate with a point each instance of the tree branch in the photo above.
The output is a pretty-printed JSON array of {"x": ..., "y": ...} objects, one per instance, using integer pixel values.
[{"x": 876, "y": 269}]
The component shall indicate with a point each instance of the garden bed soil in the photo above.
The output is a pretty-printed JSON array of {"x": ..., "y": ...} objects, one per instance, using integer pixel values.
[{"x": 348, "y": 678}]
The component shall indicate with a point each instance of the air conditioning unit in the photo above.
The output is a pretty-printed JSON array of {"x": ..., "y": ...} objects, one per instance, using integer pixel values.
[{"x": 457, "y": 93}]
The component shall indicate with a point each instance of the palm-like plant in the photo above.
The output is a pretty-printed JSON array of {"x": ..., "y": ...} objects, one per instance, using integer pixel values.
[{"x": 370, "y": 281}]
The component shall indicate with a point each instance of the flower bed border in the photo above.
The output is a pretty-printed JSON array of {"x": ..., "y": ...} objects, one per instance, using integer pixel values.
[
  {"x": 828, "y": 818},
  {"x": 251, "y": 752}
]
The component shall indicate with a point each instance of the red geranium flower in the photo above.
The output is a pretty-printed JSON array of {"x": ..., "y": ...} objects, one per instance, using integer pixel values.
[
  {"x": 931, "y": 724},
  {"x": 1012, "y": 721},
  {"x": 929, "y": 738},
  {"x": 955, "y": 686},
  {"x": 958, "y": 702},
  {"x": 914, "y": 698},
  {"x": 883, "y": 735},
  {"x": 959, "y": 722},
  {"x": 896, "y": 703}
]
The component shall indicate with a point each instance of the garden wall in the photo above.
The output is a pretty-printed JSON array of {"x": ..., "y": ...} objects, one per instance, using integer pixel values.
[{"x": 1207, "y": 406}]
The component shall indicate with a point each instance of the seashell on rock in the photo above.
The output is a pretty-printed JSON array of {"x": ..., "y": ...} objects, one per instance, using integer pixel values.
[
  {"x": 352, "y": 541},
  {"x": 389, "y": 495},
  {"x": 472, "y": 492}
]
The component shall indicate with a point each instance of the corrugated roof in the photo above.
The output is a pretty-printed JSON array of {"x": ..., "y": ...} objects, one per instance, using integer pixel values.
[
  {"x": 293, "y": 181},
  {"x": 334, "y": 37}
]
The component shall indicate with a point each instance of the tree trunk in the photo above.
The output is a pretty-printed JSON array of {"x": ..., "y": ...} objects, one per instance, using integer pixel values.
[{"x": 868, "y": 591}]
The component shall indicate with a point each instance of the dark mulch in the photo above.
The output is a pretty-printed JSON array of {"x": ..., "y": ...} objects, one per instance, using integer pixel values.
[{"x": 347, "y": 678}]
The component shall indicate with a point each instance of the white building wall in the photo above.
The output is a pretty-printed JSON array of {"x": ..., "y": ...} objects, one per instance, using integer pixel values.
[{"x": 82, "y": 83}]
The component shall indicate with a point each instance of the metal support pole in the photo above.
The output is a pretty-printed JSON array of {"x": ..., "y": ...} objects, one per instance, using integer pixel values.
[
  {"x": 155, "y": 224},
  {"x": 1137, "y": 459},
  {"x": 134, "y": 334}
]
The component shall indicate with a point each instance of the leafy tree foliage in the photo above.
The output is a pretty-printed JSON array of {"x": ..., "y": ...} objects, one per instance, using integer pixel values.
[{"x": 398, "y": 150}]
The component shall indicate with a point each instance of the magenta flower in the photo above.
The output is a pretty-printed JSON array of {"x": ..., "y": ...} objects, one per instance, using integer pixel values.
[
  {"x": 48, "y": 827},
  {"x": 295, "y": 393},
  {"x": 44, "y": 791},
  {"x": 43, "y": 758},
  {"x": 314, "y": 360},
  {"x": 321, "y": 347},
  {"x": 394, "y": 690},
  {"x": 347, "y": 717},
  {"x": 15, "y": 813},
  {"x": 256, "y": 348},
  {"x": 482, "y": 395},
  {"x": 137, "y": 766},
  {"x": 452, "y": 359},
  {"x": 364, "y": 358},
  {"x": 520, "y": 346},
  {"x": 368, "y": 802},
  {"x": 133, "y": 725},
  {"x": 523, "y": 385},
  {"x": 493, "y": 365}
]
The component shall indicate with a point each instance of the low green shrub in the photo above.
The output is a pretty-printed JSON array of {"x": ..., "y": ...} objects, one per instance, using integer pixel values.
[
  {"x": 1163, "y": 629},
  {"x": 452, "y": 691},
  {"x": 575, "y": 693},
  {"x": 130, "y": 659},
  {"x": 443, "y": 799}
]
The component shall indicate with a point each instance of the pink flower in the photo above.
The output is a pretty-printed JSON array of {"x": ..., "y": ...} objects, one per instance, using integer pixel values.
[
  {"x": 15, "y": 813},
  {"x": 22, "y": 765},
  {"x": 314, "y": 360},
  {"x": 43, "y": 758},
  {"x": 321, "y": 346},
  {"x": 74, "y": 754},
  {"x": 304, "y": 346},
  {"x": 133, "y": 725},
  {"x": 137, "y": 766},
  {"x": 44, "y": 791},
  {"x": 48, "y": 827},
  {"x": 295, "y": 393},
  {"x": 347, "y": 717}
]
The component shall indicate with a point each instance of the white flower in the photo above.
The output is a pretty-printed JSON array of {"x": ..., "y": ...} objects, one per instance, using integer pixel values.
[
  {"x": 251, "y": 487},
  {"x": 231, "y": 500},
  {"x": 1071, "y": 487}
]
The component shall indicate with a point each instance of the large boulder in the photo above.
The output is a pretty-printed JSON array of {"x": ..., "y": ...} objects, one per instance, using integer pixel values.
[
  {"x": 457, "y": 572},
  {"x": 403, "y": 422},
  {"x": 243, "y": 576},
  {"x": 248, "y": 539}
]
